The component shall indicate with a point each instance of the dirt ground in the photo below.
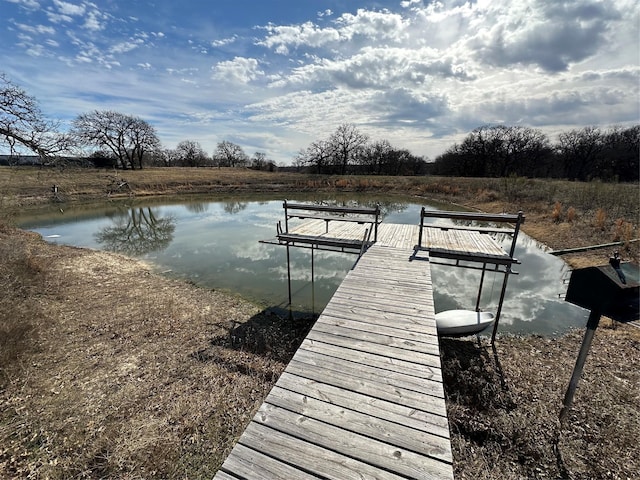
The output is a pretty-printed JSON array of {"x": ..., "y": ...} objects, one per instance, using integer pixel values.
[
  {"x": 121, "y": 372},
  {"x": 108, "y": 370}
]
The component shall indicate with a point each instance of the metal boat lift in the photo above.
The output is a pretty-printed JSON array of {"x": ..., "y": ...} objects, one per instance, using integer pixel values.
[
  {"x": 467, "y": 242},
  {"x": 457, "y": 239}
]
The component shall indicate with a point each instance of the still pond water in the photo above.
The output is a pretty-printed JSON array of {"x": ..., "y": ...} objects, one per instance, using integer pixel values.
[{"x": 214, "y": 243}]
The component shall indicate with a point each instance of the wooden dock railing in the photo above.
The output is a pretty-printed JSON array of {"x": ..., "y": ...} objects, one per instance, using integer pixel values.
[
  {"x": 328, "y": 213},
  {"x": 513, "y": 220}
]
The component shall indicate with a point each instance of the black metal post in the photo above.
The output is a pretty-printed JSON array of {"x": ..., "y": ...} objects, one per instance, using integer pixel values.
[
  {"x": 502, "y": 294},
  {"x": 313, "y": 285},
  {"x": 289, "y": 273},
  {"x": 515, "y": 234},
  {"x": 484, "y": 266},
  {"x": 592, "y": 324},
  {"x": 421, "y": 227}
]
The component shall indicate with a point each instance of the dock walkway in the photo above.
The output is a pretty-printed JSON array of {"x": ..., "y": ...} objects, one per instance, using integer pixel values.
[{"x": 363, "y": 395}]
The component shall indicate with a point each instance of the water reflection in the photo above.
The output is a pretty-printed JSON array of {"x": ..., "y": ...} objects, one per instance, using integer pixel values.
[
  {"x": 216, "y": 245},
  {"x": 534, "y": 300},
  {"x": 234, "y": 207},
  {"x": 197, "y": 207},
  {"x": 387, "y": 206},
  {"x": 136, "y": 232}
]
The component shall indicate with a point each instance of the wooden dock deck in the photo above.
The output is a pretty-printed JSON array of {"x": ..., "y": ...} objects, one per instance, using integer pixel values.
[{"x": 363, "y": 396}]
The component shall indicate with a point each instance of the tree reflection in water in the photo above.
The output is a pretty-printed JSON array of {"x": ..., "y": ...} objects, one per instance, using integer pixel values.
[
  {"x": 234, "y": 207},
  {"x": 136, "y": 232},
  {"x": 197, "y": 207}
]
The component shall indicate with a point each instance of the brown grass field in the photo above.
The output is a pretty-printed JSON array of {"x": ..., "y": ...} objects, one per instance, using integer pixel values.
[{"x": 110, "y": 371}]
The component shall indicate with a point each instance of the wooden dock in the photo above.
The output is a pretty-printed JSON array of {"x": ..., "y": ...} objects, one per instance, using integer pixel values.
[{"x": 363, "y": 396}]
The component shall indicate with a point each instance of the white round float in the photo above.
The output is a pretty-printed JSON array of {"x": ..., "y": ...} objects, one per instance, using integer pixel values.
[{"x": 458, "y": 323}]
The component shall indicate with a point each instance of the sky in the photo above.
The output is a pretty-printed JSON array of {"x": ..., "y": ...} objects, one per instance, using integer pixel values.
[{"x": 274, "y": 76}]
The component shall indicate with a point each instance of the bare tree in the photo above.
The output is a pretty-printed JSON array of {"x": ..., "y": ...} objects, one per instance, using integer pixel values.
[
  {"x": 579, "y": 151},
  {"x": 319, "y": 155},
  {"x": 261, "y": 162},
  {"x": 191, "y": 154},
  {"x": 129, "y": 138},
  {"x": 144, "y": 140},
  {"x": 621, "y": 153},
  {"x": 22, "y": 124},
  {"x": 347, "y": 141},
  {"x": 230, "y": 155},
  {"x": 499, "y": 151},
  {"x": 374, "y": 156}
]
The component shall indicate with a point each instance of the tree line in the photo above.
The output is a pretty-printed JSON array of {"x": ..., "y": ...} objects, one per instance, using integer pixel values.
[
  {"x": 584, "y": 154},
  {"x": 115, "y": 139},
  {"x": 129, "y": 142},
  {"x": 124, "y": 141},
  {"x": 349, "y": 151}
]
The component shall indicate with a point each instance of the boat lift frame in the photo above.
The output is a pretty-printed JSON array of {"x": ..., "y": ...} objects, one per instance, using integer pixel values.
[
  {"x": 473, "y": 223},
  {"x": 463, "y": 221}
]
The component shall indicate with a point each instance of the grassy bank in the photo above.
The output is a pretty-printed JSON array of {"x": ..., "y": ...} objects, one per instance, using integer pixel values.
[{"x": 110, "y": 371}]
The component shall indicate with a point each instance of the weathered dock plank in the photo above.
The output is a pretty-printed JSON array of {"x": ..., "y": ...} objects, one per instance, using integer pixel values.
[
  {"x": 345, "y": 417},
  {"x": 363, "y": 395},
  {"x": 424, "y": 394},
  {"x": 311, "y": 460},
  {"x": 393, "y": 330},
  {"x": 375, "y": 452},
  {"x": 410, "y": 360},
  {"x": 371, "y": 406}
]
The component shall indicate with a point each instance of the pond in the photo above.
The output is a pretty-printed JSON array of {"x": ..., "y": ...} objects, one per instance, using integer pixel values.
[{"x": 215, "y": 243}]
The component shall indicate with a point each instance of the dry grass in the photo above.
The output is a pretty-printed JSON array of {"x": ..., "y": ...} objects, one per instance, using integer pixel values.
[
  {"x": 115, "y": 372},
  {"x": 600, "y": 220},
  {"x": 109, "y": 371},
  {"x": 503, "y": 407}
]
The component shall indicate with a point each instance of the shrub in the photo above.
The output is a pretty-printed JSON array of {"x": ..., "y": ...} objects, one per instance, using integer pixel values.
[
  {"x": 556, "y": 214},
  {"x": 622, "y": 231},
  {"x": 486, "y": 195},
  {"x": 600, "y": 219}
]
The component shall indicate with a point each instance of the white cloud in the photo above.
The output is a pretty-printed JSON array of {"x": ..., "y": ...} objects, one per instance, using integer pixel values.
[
  {"x": 71, "y": 9},
  {"x": 28, "y": 4},
  {"x": 239, "y": 70},
  {"x": 284, "y": 37},
  {"x": 36, "y": 29},
  {"x": 124, "y": 47},
  {"x": 57, "y": 18},
  {"x": 550, "y": 35},
  {"x": 382, "y": 25},
  {"x": 224, "y": 41},
  {"x": 95, "y": 21}
]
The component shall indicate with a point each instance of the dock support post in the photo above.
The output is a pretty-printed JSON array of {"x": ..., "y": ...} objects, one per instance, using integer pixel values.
[
  {"x": 313, "y": 285},
  {"x": 592, "y": 324},
  {"x": 289, "y": 273},
  {"x": 484, "y": 269},
  {"x": 502, "y": 294}
]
